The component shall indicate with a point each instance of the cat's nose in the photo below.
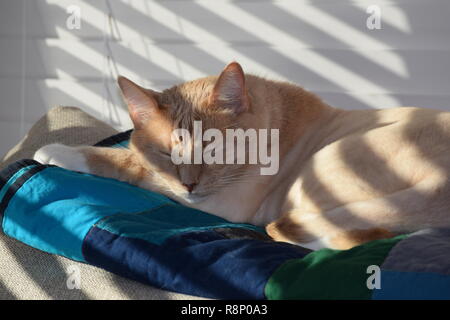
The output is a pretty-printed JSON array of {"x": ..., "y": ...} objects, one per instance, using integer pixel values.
[{"x": 189, "y": 186}]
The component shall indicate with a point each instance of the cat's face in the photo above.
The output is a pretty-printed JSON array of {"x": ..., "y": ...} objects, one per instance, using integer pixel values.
[{"x": 218, "y": 102}]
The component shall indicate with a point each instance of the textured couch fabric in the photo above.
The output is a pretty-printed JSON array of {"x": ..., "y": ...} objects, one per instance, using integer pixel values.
[{"x": 27, "y": 273}]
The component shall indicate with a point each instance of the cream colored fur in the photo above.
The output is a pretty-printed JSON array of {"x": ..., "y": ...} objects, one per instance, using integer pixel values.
[{"x": 346, "y": 177}]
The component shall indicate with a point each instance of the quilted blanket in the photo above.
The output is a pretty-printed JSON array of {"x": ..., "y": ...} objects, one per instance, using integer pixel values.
[{"x": 147, "y": 237}]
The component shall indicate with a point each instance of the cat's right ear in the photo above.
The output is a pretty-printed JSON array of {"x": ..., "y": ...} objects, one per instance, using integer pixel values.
[
  {"x": 229, "y": 92},
  {"x": 141, "y": 104}
]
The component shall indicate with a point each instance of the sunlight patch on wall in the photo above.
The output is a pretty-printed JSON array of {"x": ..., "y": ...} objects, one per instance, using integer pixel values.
[
  {"x": 352, "y": 37},
  {"x": 187, "y": 28},
  {"x": 317, "y": 63}
]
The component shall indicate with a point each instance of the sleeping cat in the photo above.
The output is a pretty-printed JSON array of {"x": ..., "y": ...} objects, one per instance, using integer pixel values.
[{"x": 345, "y": 177}]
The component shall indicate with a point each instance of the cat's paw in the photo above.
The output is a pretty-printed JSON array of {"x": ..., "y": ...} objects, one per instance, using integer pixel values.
[{"x": 70, "y": 158}]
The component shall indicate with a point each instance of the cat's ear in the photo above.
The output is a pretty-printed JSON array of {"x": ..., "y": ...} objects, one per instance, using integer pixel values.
[
  {"x": 229, "y": 91},
  {"x": 141, "y": 102}
]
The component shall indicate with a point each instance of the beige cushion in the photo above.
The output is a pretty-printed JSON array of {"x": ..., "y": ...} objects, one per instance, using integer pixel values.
[
  {"x": 66, "y": 125},
  {"x": 27, "y": 273}
]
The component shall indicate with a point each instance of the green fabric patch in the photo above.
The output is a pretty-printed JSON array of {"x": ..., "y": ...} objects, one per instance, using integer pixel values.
[{"x": 329, "y": 274}]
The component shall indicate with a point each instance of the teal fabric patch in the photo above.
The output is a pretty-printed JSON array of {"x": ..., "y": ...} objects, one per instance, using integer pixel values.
[
  {"x": 55, "y": 208},
  {"x": 13, "y": 179},
  {"x": 123, "y": 144},
  {"x": 163, "y": 222}
]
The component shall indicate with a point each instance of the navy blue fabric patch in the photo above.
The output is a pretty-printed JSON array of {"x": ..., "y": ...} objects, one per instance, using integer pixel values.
[
  {"x": 203, "y": 263},
  {"x": 10, "y": 170},
  {"x": 399, "y": 285},
  {"x": 116, "y": 139}
]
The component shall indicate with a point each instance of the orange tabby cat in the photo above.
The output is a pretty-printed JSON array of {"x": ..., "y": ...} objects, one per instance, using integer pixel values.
[{"x": 345, "y": 177}]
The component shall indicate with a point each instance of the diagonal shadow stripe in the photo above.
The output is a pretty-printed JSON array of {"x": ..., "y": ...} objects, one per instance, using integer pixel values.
[
  {"x": 263, "y": 54},
  {"x": 44, "y": 269},
  {"x": 5, "y": 293},
  {"x": 415, "y": 61}
]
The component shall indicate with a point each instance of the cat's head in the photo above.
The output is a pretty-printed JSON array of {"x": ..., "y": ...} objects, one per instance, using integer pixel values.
[{"x": 218, "y": 102}]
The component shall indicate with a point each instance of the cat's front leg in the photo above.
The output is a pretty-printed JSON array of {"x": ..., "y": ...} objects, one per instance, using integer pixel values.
[
  {"x": 116, "y": 163},
  {"x": 71, "y": 158}
]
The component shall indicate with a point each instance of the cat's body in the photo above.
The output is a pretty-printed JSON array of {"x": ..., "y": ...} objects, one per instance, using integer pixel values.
[{"x": 345, "y": 177}]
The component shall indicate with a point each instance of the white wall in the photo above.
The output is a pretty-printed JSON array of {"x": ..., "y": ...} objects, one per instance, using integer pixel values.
[{"x": 323, "y": 45}]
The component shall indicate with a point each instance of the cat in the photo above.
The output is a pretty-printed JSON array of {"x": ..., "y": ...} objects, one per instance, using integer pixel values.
[{"x": 346, "y": 176}]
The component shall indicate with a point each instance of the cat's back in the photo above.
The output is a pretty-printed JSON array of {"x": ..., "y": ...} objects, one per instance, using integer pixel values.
[{"x": 381, "y": 152}]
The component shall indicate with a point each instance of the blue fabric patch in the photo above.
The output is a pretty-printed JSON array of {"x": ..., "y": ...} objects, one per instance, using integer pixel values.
[
  {"x": 412, "y": 286},
  {"x": 163, "y": 222},
  {"x": 55, "y": 208},
  {"x": 203, "y": 263}
]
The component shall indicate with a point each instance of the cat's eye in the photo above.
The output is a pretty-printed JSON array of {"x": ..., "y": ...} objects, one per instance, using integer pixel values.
[{"x": 165, "y": 154}]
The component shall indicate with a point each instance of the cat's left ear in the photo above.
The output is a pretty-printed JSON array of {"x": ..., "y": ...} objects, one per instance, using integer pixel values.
[{"x": 230, "y": 91}]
